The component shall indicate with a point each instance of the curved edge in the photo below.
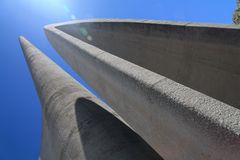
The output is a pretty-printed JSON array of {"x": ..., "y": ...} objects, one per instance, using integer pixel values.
[
  {"x": 161, "y": 95},
  {"x": 147, "y": 77},
  {"x": 76, "y": 125},
  {"x": 163, "y": 22}
]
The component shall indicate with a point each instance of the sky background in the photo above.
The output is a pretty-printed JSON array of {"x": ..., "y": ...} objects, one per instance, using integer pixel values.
[{"x": 20, "y": 112}]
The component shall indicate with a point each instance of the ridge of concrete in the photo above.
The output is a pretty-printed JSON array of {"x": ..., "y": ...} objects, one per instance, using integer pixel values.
[
  {"x": 145, "y": 21},
  {"x": 194, "y": 55},
  {"x": 177, "y": 121},
  {"x": 76, "y": 125}
]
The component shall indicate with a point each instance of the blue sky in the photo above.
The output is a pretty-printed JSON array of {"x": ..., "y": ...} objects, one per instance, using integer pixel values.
[{"x": 20, "y": 114}]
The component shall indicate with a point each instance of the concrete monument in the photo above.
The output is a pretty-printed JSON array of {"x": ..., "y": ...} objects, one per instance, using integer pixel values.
[
  {"x": 175, "y": 84},
  {"x": 76, "y": 125}
]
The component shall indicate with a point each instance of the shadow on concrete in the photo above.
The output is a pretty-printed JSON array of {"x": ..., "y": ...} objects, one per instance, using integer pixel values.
[
  {"x": 105, "y": 137},
  {"x": 202, "y": 57}
]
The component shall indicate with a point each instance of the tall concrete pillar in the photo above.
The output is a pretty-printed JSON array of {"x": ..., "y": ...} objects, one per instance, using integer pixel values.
[
  {"x": 154, "y": 74},
  {"x": 75, "y": 124}
]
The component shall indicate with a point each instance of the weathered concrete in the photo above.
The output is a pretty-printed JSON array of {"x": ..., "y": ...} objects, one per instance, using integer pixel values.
[
  {"x": 203, "y": 57},
  {"x": 75, "y": 124},
  {"x": 178, "y": 122}
]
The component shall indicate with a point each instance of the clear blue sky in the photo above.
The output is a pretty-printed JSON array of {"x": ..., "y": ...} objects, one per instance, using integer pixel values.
[{"x": 20, "y": 114}]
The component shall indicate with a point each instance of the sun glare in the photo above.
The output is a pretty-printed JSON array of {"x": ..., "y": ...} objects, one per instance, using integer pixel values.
[{"x": 51, "y": 6}]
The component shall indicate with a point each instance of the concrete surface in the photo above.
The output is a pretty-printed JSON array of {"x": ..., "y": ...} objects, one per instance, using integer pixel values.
[
  {"x": 177, "y": 121},
  {"x": 76, "y": 125},
  {"x": 203, "y": 57}
]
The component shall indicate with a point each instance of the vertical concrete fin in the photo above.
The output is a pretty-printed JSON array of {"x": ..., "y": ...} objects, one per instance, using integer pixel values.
[
  {"x": 75, "y": 124},
  {"x": 125, "y": 61},
  {"x": 45, "y": 73}
]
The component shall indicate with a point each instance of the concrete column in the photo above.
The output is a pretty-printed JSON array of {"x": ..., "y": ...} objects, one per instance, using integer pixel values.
[
  {"x": 125, "y": 62},
  {"x": 75, "y": 124}
]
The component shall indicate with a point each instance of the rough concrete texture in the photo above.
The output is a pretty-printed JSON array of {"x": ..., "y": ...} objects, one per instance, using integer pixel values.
[
  {"x": 177, "y": 121},
  {"x": 203, "y": 57},
  {"x": 76, "y": 126}
]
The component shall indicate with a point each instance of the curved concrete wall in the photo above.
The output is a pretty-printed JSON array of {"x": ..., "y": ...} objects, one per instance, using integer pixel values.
[
  {"x": 203, "y": 57},
  {"x": 76, "y": 126},
  {"x": 178, "y": 122}
]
